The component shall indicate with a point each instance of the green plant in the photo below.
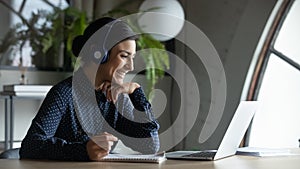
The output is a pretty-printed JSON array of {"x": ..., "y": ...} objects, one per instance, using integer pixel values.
[
  {"x": 49, "y": 34},
  {"x": 156, "y": 59}
]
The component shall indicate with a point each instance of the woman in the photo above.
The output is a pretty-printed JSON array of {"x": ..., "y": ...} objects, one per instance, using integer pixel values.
[{"x": 83, "y": 116}]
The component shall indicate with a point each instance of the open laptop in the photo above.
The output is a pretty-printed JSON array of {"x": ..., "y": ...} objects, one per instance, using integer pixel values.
[{"x": 231, "y": 140}]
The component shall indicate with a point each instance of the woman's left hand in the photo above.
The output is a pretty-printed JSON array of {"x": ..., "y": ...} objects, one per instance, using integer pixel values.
[{"x": 112, "y": 90}]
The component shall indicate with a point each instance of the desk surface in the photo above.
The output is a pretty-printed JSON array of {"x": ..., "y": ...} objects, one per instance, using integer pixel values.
[{"x": 240, "y": 162}]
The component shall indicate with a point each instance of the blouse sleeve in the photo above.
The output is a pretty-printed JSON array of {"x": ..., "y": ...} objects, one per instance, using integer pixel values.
[
  {"x": 137, "y": 124},
  {"x": 40, "y": 141}
]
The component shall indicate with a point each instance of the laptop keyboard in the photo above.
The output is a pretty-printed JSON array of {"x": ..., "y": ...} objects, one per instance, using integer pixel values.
[{"x": 202, "y": 154}]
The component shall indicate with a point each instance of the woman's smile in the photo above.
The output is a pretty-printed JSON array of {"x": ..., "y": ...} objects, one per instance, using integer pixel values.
[{"x": 120, "y": 74}]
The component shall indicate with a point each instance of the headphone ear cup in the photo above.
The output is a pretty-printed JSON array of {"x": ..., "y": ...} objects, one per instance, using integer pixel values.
[
  {"x": 105, "y": 58},
  {"x": 97, "y": 57}
]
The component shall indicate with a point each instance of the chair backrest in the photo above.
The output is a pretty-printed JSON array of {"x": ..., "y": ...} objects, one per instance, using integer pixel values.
[{"x": 10, "y": 154}]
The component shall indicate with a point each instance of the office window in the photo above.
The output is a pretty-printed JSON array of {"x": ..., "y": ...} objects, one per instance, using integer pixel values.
[
  {"x": 31, "y": 6},
  {"x": 276, "y": 124}
]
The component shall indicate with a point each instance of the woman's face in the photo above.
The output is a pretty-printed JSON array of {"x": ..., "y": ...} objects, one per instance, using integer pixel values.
[{"x": 119, "y": 63}]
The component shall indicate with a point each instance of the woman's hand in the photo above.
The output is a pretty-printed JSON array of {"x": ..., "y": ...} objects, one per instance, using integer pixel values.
[
  {"x": 113, "y": 90},
  {"x": 99, "y": 146}
]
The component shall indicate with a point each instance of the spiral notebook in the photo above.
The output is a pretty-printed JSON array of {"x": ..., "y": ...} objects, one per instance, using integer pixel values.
[{"x": 149, "y": 158}]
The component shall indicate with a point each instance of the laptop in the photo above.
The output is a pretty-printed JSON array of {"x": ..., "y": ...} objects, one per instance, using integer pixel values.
[{"x": 231, "y": 139}]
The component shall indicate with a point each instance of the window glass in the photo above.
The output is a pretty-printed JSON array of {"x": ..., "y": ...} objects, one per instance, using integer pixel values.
[
  {"x": 33, "y": 6},
  {"x": 13, "y": 55},
  {"x": 288, "y": 39},
  {"x": 276, "y": 124}
]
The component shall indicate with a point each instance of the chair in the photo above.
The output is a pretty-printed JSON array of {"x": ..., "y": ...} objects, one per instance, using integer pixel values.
[{"x": 10, "y": 154}]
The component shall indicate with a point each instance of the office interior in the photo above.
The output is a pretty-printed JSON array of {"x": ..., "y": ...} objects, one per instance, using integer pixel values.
[{"x": 237, "y": 30}]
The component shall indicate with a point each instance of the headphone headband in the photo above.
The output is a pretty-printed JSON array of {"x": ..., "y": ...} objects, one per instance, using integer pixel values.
[{"x": 105, "y": 50}]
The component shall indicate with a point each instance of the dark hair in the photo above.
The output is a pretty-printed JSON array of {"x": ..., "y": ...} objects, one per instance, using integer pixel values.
[{"x": 122, "y": 32}]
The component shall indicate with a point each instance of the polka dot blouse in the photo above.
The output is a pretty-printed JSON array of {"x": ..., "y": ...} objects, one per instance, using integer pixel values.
[{"x": 62, "y": 128}]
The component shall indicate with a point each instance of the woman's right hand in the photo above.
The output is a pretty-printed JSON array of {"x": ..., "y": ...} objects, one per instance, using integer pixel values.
[
  {"x": 99, "y": 146},
  {"x": 113, "y": 90}
]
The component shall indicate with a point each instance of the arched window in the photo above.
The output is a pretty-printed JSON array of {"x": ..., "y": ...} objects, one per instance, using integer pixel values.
[{"x": 276, "y": 80}]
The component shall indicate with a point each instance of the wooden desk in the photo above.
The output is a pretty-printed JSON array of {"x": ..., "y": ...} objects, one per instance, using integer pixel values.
[{"x": 238, "y": 162}]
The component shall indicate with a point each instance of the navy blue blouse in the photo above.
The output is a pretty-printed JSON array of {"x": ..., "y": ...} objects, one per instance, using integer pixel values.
[{"x": 57, "y": 134}]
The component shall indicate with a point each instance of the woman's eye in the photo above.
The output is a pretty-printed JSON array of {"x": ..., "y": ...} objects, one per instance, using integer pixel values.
[{"x": 124, "y": 56}]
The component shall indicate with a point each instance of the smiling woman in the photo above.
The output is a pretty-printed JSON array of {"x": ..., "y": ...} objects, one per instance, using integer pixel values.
[
  {"x": 83, "y": 116},
  {"x": 113, "y": 72}
]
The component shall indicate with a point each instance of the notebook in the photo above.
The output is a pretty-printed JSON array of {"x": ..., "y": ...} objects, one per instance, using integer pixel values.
[
  {"x": 149, "y": 158},
  {"x": 231, "y": 139}
]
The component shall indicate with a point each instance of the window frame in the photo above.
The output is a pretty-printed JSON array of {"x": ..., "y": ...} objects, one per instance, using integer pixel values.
[{"x": 266, "y": 51}]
